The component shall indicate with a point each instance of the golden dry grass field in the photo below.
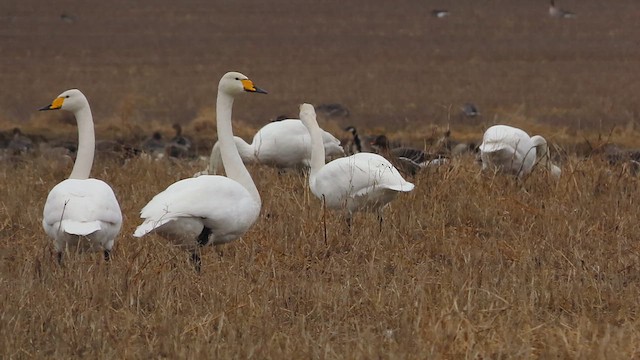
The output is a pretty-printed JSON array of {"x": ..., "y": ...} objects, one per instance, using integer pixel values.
[{"x": 468, "y": 265}]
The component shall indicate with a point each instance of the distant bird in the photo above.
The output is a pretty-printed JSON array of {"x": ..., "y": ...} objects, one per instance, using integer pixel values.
[
  {"x": 511, "y": 150},
  {"x": 358, "y": 144},
  {"x": 439, "y": 13},
  {"x": 284, "y": 144},
  {"x": 154, "y": 145},
  {"x": 408, "y": 160},
  {"x": 360, "y": 182},
  {"x": 81, "y": 213},
  {"x": 195, "y": 212},
  {"x": 69, "y": 19},
  {"x": 179, "y": 146},
  {"x": 470, "y": 110},
  {"x": 19, "y": 144},
  {"x": 559, "y": 13},
  {"x": 333, "y": 110}
]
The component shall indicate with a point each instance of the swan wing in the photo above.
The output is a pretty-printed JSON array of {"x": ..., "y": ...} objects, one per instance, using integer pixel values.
[{"x": 219, "y": 202}]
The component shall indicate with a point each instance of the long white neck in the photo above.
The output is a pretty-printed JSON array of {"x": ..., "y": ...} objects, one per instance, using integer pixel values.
[
  {"x": 86, "y": 144},
  {"x": 317, "y": 148},
  {"x": 233, "y": 165},
  {"x": 542, "y": 153}
]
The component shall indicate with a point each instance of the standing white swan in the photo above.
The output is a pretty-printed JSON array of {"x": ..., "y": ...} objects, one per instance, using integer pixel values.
[
  {"x": 80, "y": 212},
  {"x": 511, "y": 150},
  {"x": 209, "y": 209},
  {"x": 363, "y": 181},
  {"x": 284, "y": 144}
]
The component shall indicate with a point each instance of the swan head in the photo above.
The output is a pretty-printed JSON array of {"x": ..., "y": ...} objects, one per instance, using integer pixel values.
[
  {"x": 235, "y": 83},
  {"x": 70, "y": 100},
  {"x": 307, "y": 114}
]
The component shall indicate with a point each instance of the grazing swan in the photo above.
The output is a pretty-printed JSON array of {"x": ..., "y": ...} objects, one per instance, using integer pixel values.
[
  {"x": 407, "y": 160},
  {"x": 81, "y": 212},
  {"x": 511, "y": 150},
  {"x": 209, "y": 209},
  {"x": 559, "y": 13},
  {"x": 283, "y": 144},
  {"x": 362, "y": 181}
]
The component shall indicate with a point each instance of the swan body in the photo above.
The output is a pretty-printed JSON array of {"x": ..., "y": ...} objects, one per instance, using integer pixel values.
[
  {"x": 363, "y": 181},
  {"x": 209, "y": 209},
  {"x": 512, "y": 150},
  {"x": 283, "y": 144},
  {"x": 81, "y": 208}
]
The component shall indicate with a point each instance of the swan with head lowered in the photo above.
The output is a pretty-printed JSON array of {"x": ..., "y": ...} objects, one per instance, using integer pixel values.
[
  {"x": 209, "y": 209},
  {"x": 81, "y": 213},
  {"x": 511, "y": 150},
  {"x": 363, "y": 181},
  {"x": 284, "y": 144}
]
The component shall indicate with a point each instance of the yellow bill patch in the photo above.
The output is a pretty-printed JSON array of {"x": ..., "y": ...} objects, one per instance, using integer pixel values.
[
  {"x": 248, "y": 85},
  {"x": 57, "y": 103}
]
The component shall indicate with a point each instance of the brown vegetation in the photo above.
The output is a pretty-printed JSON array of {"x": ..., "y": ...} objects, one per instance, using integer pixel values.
[{"x": 466, "y": 265}]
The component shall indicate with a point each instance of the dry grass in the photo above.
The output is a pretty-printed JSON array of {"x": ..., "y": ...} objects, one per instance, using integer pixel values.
[{"x": 467, "y": 265}]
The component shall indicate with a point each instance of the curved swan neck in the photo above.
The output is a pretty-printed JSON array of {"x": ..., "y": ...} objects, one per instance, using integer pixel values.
[
  {"x": 317, "y": 147},
  {"x": 233, "y": 165},
  {"x": 86, "y": 144}
]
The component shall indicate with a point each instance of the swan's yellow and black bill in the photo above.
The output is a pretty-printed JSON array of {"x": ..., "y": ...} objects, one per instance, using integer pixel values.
[
  {"x": 55, "y": 105},
  {"x": 248, "y": 86}
]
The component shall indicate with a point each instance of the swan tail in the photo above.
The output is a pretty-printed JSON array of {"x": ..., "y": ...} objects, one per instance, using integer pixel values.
[
  {"x": 149, "y": 225},
  {"x": 79, "y": 227}
]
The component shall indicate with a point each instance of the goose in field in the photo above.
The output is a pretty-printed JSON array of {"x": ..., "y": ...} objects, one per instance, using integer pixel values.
[
  {"x": 179, "y": 145},
  {"x": 511, "y": 150},
  {"x": 20, "y": 143},
  {"x": 408, "y": 160},
  {"x": 362, "y": 181},
  {"x": 358, "y": 144},
  {"x": 154, "y": 145},
  {"x": 559, "y": 13},
  {"x": 209, "y": 209},
  {"x": 81, "y": 212},
  {"x": 284, "y": 144},
  {"x": 470, "y": 110}
]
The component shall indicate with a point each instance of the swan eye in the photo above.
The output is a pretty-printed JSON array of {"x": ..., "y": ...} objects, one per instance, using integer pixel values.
[
  {"x": 66, "y": 97},
  {"x": 238, "y": 79}
]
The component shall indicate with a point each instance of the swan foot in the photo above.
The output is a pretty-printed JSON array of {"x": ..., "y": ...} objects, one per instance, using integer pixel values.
[
  {"x": 197, "y": 262},
  {"x": 107, "y": 255}
]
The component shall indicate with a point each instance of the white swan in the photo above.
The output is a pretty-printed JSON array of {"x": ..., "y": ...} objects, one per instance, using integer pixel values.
[
  {"x": 209, "y": 209},
  {"x": 511, "y": 150},
  {"x": 362, "y": 181},
  {"x": 80, "y": 212},
  {"x": 284, "y": 144}
]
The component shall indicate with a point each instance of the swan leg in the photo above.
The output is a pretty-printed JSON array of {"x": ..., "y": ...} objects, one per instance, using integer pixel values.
[
  {"x": 197, "y": 262},
  {"x": 107, "y": 255},
  {"x": 203, "y": 238},
  {"x": 59, "y": 257},
  {"x": 380, "y": 220}
]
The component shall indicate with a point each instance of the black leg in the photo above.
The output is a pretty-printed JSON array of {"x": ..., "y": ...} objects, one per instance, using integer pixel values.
[
  {"x": 197, "y": 262},
  {"x": 203, "y": 238},
  {"x": 107, "y": 255},
  {"x": 59, "y": 257},
  {"x": 381, "y": 220}
]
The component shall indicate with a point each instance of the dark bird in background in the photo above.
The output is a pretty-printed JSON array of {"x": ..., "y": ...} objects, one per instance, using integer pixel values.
[{"x": 559, "y": 13}]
